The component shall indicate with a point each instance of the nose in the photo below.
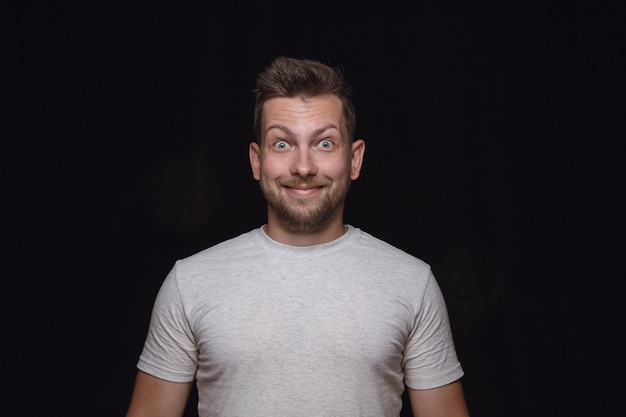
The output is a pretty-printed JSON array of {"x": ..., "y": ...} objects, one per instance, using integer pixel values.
[{"x": 304, "y": 163}]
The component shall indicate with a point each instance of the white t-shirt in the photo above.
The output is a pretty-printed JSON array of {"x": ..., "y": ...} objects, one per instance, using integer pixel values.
[{"x": 268, "y": 329}]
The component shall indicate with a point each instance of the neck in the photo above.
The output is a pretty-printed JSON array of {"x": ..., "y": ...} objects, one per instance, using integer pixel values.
[{"x": 330, "y": 232}]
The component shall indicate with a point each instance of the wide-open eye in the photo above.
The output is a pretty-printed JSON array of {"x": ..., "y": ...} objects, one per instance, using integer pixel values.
[
  {"x": 326, "y": 144},
  {"x": 281, "y": 144}
]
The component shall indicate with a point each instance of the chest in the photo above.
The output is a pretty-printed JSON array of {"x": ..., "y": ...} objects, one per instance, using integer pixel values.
[{"x": 282, "y": 321}]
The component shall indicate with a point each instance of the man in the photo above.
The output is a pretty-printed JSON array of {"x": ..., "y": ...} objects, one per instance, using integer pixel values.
[{"x": 305, "y": 316}]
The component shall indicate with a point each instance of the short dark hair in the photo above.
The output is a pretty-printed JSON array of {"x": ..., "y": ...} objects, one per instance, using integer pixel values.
[{"x": 291, "y": 77}]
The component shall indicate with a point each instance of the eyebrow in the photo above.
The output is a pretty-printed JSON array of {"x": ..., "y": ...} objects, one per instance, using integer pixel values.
[
  {"x": 282, "y": 128},
  {"x": 316, "y": 132}
]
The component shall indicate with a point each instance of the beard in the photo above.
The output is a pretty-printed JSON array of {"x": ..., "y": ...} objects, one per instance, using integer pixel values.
[{"x": 300, "y": 219}]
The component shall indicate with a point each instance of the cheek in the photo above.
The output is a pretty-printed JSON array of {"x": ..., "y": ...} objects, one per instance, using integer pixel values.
[
  {"x": 270, "y": 168},
  {"x": 337, "y": 169}
]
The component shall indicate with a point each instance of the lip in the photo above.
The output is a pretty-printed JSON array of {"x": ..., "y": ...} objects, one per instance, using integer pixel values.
[{"x": 303, "y": 191}]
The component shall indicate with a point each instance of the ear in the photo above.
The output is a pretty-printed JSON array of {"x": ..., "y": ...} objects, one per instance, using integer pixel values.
[
  {"x": 254, "y": 152},
  {"x": 356, "y": 161}
]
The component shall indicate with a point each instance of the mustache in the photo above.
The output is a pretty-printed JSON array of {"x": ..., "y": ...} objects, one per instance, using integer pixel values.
[{"x": 299, "y": 182}]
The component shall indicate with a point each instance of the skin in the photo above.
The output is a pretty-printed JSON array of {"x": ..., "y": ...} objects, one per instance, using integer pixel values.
[
  {"x": 154, "y": 397},
  {"x": 304, "y": 164},
  {"x": 445, "y": 401}
]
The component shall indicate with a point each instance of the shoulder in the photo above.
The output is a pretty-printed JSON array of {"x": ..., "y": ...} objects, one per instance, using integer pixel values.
[
  {"x": 383, "y": 251},
  {"x": 226, "y": 253},
  {"x": 379, "y": 258}
]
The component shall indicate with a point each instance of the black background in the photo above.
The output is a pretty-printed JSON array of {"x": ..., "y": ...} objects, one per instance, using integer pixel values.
[{"x": 493, "y": 135}]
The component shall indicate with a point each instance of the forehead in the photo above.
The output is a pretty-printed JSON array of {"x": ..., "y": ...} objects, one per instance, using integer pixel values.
[{"x": 303, "y": 112}]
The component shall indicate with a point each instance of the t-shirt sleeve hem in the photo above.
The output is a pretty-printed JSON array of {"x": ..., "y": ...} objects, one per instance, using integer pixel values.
[
  {"x": 439, "y": 381},
  {"x": 165, "y": 375}
]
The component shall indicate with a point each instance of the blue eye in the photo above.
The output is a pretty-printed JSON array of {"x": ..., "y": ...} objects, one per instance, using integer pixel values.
[
  {"x": 326, "y": 144},
  {"x": 281, "y": 144}
]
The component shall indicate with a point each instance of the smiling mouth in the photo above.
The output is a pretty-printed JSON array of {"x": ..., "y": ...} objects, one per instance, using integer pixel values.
[{"x": 303, "y": 189}]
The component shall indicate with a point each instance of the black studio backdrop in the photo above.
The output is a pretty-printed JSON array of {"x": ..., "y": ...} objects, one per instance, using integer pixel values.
[{"x": 490, "y": 133}]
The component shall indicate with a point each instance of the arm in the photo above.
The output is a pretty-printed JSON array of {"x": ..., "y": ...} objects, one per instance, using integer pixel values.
[
  {"x": 446, "y": 401},
  {"x": 154, "y": 397}
]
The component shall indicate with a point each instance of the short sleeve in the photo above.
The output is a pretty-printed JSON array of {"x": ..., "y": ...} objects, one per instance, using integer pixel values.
[
  {"x": 170, "y": 350},
  {"x": 430, "y": 358}
]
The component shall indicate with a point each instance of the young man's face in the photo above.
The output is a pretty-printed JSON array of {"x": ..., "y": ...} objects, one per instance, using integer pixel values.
[{"x": 305, "y": 162}]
